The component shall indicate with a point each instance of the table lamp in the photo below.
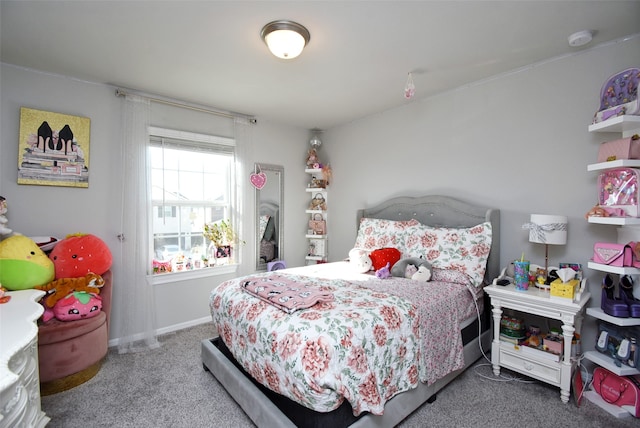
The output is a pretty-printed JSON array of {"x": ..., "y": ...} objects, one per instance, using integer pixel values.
[{"x": 548, "y": 230}]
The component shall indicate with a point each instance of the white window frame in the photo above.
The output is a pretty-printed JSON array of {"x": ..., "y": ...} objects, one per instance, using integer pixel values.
[{"x": 202, "y": 140}]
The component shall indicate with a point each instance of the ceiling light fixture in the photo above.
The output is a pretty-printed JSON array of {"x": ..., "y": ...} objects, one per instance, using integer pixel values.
[
  {"x": 580, "y": 38},
  {"x": 315, "y": 141},
  {"x": 285, "y": 39}
]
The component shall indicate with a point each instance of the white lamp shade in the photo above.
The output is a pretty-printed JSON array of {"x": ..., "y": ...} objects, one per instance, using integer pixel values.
[
  {"x": 285, "y": 44},
  {"x": 547, "y": 229}
]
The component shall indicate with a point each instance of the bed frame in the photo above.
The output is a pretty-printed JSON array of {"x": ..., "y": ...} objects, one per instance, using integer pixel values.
[{"x": 430, "y": 210}]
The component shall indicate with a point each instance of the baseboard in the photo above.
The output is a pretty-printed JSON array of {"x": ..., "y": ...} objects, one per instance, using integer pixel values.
[{"x": 171, "y": 329}]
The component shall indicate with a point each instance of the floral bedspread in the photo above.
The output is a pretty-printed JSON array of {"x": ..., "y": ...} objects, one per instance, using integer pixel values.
[
  {"x": 376, "y": 339},
  {"x": 441, "y": 307}
]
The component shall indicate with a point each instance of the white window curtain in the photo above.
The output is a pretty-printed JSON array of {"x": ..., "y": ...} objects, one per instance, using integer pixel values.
[
  {"x": 245, "y": 204},
  {"x": 135, "y": 327}
]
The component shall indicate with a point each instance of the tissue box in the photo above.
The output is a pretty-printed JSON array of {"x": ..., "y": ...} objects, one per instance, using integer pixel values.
[{"x": 565, "y": 290}]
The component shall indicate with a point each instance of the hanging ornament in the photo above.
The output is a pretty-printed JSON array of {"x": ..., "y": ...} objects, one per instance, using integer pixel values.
[
  {"x": 409, "y": 88},
  {"x": 258, "y": 178}
]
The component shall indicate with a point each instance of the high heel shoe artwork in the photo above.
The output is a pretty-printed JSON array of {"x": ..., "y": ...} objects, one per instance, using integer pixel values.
[
  {"x": 626, "y": 293},
  {"x": 609, "y": 304},
  {"x": 45, "y": 137},
  {"x": 66, "y": 139}
]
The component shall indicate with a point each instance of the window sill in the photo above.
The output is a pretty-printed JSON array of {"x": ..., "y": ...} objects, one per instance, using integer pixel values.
[{"x": 166, "y": 278}]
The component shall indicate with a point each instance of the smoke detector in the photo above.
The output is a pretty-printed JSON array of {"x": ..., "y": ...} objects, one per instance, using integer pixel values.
[{"x": 580, "y": 38}]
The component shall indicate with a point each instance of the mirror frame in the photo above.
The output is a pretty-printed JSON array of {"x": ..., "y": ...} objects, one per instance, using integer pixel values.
[{"x": 278, "y": 170}]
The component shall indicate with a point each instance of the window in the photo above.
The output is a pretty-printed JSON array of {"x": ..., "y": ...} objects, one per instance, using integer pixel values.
[{"x": 192, "y": 184}]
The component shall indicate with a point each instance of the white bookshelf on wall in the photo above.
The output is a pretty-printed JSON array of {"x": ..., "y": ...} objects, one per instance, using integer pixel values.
[
  {"x": 628, "y": 230},
  {"x": 317, "y": 251}
]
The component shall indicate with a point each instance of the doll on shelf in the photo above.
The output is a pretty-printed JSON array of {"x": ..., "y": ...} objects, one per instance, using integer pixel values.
[{"x": 312, "y": 159}]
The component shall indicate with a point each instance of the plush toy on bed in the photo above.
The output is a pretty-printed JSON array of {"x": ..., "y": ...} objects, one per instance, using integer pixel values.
[
  {"x": 410, "y": 267},
  {"x": 359, "y": 260},
  {"x": 383, "y": 272},
  {"x": 423, "y": 274}
]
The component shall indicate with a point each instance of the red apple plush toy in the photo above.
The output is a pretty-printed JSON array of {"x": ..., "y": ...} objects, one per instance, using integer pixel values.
[{"x": 77, "y": 255}]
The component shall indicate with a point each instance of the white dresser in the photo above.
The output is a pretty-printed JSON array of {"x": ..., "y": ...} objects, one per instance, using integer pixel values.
[{"x": 19, "y": 376}]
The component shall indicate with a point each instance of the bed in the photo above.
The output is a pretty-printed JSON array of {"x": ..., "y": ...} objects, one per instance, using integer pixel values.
[{"x": 407, "y": 378}]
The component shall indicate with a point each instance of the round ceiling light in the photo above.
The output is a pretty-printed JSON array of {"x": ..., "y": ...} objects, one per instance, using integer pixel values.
[
  {"x": 580, "y": 38},
  {"x": 285, "y": 39}
]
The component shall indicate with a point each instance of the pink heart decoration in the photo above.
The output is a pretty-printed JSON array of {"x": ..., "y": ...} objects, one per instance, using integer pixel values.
[{"x": 258, "y": 180}]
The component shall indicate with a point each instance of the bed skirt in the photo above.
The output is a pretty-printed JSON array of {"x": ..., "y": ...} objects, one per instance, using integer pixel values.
[{"x": 268, "y": 409}]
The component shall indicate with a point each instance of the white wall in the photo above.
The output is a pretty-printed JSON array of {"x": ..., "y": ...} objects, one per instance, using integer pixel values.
[
  {"x": 518, "y": 142},
  {"x": 58, "y": 211}
]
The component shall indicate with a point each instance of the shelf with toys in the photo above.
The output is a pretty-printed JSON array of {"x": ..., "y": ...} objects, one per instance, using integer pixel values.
[
  {"x": 317, "y": 188},
  {"x": 618, "y": 358}
]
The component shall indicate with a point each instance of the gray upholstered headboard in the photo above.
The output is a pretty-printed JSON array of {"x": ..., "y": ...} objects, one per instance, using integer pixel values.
[{"x": 437, "y": 210}]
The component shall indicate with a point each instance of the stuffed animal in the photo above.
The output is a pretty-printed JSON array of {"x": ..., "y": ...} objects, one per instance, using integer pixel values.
[
  {"x": 405, "y": 268},
  {"x": 410, "y": 270},
  {"x": 423, "y": 274},
  {"x": 383, "y": 272},
  {"x": 359, "y": 260},
  {"x": 4, "y": 230},
  {"x": 312, "y": 158},
  {"x": 23, "y": 264},
  {"x": 60, "y": 288},
  {"x": 382, "y": 256},
  {"x": 77, "y": 255},
  {"x": 596, "y": 211},
  {"x": 76, "y": 306}
]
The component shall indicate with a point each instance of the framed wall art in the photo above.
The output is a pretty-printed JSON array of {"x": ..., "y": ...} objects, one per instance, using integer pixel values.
[{"x": 53, "y": 149}]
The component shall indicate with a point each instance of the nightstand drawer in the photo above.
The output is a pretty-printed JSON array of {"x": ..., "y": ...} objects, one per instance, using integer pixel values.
[{"x": 547, "y": 371}]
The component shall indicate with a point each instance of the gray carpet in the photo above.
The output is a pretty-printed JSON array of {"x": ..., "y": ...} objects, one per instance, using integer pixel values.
[{"x": 168, "y": 387}]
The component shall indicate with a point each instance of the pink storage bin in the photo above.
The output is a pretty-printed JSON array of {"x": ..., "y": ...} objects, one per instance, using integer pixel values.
[
  {"x": 623, "y": 148},
  {"x": 618, "y": 189}
]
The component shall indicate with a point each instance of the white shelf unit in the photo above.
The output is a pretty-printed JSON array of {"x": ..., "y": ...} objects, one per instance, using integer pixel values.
[
  {"x": 318, "y": 245},
  {"x": 627, "y": 126}
]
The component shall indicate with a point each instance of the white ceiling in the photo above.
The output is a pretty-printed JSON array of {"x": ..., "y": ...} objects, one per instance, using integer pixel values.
[{"x": 356, "y": 64}]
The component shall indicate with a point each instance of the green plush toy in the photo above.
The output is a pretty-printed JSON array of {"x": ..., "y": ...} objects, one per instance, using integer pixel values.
[{"x": 23, "y": 264}]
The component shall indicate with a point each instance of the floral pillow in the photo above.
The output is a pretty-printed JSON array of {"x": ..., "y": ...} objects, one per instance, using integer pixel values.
[
  {"x": 462, "y": 249},
  {"x": 376, "y": 233}
]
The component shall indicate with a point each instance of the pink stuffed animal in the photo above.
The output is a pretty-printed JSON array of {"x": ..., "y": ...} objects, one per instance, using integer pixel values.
[{"x": 76, "y": 306}]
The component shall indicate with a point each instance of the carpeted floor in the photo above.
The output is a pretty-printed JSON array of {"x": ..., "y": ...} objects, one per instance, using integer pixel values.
[{"x": 167, "y": 387}]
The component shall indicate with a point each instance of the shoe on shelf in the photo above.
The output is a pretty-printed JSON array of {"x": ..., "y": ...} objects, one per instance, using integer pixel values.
[
  {"x": 626, "y": 292},
  {"x": 609, "y": 304}
]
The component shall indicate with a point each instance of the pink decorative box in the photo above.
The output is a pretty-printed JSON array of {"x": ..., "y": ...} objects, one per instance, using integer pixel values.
[
  {"x": 553, "y": 343},
  {"x": 623, "y": 148}
]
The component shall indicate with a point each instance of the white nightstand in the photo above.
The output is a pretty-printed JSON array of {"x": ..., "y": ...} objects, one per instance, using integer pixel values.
[{"x": 536, "y": 364}]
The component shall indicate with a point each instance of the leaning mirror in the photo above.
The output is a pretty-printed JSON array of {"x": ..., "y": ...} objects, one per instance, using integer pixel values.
[{"x": 269, "y": 216}]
